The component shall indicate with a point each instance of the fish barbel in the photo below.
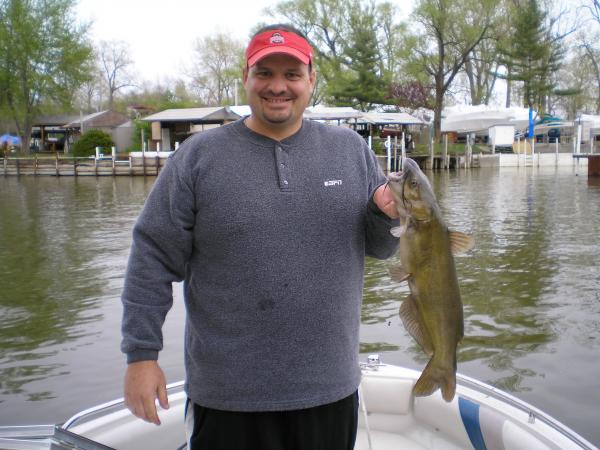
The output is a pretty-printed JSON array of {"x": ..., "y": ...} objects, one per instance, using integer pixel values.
[{"x": 432, "y": 313}]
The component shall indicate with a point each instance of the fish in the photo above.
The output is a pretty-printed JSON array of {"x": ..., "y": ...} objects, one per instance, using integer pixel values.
[{"x": 433, "y": 312}]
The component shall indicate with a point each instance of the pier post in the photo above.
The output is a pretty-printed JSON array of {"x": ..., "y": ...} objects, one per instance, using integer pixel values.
[
  {"x": 445, "y": 154},
  {"x": 402, "y": 151},
  {"x": 431, "y": 152},
  {"x": 594, "y": 166},
  {"x": 114, "y": 157},
  {"x": 396, "y": 153}
]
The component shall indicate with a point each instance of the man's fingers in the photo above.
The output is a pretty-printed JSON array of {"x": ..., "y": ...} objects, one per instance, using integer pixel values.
[
  {"x": 384, "y": 199},
  {"x": 144, "y": 383},
  {"x": 150, "y": 413},
  {"x": 163, "y": 398}
]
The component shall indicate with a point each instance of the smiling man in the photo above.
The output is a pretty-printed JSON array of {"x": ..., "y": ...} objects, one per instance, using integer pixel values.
[
  {"x": 267, "y": 221},
  {"x": 278, "y": 85}
]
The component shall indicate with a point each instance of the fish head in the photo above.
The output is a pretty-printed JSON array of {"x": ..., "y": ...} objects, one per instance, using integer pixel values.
[{"x": 412, "y": 192}]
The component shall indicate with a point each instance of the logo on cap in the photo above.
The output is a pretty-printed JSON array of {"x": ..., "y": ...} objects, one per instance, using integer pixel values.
[{"x": 277, "y": 39}]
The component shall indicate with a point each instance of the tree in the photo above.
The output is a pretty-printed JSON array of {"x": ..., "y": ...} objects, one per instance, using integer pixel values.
[
  {"x": 535, "y": 52},
  {"x": 354, "y": 41},
  {"x": 218, "y": 64},
  {"x": 583, "y": 83},
  {"x": 166, "y": 94},
  {"x": 87, "y": 143},
  {"x": 88, "y": 97},
  {"x": 451, "y": 30},
  {"x": 412, "y": 95},
  {"x": 591, "y": 52},
  {"x": 43, "y": 58},
  {"x": 481, "y": 69},
  {"x": 115, "y": 62},
  {"x": 363, "y": 81}
]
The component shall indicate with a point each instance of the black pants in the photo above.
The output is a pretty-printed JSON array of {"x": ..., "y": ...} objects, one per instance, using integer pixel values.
[{"x": 327, "y": 427}]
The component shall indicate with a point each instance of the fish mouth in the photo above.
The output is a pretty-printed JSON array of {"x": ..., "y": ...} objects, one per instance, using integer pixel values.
[
  {"x": 398, "y": 181},
  {"x": 395, "y": 176}
]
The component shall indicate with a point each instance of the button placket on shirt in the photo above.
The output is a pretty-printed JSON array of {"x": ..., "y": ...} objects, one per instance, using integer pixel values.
[{"x": 283, "y": 169}]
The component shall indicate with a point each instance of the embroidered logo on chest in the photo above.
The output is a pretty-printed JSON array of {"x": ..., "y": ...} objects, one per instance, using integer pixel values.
[{"x": 330, "y": 183}]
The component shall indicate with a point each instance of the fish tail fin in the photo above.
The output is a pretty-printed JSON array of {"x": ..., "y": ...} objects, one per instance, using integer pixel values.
[{"x": 434, "y": 377}]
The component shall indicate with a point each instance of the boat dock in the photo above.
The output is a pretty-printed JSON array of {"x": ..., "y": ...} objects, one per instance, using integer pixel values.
[
  {"x": 135, "y": 164},
  {"x": 477, "y": 160}
]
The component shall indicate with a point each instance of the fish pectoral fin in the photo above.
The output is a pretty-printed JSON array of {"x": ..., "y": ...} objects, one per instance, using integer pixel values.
[
  {"x": 398, "y": 231},
  {"x": 460, "y": 242},
  {"x": 398, "y": 274},
  {"x": 413, "y": 324}
]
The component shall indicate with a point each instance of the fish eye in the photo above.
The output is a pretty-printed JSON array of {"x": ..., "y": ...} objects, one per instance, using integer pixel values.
[{"x": 414, "y": 183}]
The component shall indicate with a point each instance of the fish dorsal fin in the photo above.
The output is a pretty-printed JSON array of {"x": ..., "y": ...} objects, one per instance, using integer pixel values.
[
  {"x": 460, "y": 242},
  {"x": 411, "y": 319},
  {"x": 398, "y": 274}
]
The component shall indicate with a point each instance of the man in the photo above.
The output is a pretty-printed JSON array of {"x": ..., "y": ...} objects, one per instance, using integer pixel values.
[{"x": 267, "y": 221}]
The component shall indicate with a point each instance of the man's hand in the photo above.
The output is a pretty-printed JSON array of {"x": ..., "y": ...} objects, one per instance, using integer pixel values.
[
  {"x": 384, "y": 200},
  {"x": 144, "y": 383}
]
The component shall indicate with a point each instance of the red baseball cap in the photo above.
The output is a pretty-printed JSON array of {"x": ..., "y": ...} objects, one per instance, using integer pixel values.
[{"x": 278, "y": 41}]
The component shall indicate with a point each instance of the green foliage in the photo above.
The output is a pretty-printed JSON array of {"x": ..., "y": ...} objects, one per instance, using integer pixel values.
[
  {"x": 136, "y": 141},
  {"x": 43, "y": 56},
  {"x": 533, "y": 54},
  {"x": 159, "y": 97},
  {"x": 218, "y": 63},
  {"x": 362, "y": 83},
  {"x": 357, "y": 47},
  {"x": 449, "y": 32},
  {"x": 86, "y": 144},
  {"x": 460, "y": 149}
]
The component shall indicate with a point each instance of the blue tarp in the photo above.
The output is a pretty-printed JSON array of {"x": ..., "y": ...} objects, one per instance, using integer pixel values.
[{"x": 10, "y": 139}]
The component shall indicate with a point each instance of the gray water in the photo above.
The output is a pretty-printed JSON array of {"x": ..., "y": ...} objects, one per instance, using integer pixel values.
[{"x": 531, "y": 291}]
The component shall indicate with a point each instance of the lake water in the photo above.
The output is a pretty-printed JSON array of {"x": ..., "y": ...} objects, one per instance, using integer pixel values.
[{"x": 531, "y": 291}]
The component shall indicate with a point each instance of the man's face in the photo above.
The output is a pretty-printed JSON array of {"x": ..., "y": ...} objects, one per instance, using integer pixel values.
[{"x": 278, "y": 89}]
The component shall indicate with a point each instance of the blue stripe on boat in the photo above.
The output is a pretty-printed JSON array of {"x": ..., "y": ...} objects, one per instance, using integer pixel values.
[{"x": 469, "y": 412}]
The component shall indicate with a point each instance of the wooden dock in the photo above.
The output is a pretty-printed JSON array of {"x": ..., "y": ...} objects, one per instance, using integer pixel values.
[
  {"x": 437, "y": 162},
  {"x": 59, "y": 165}
]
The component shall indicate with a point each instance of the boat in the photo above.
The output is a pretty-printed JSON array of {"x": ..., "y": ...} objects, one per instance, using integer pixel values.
[
  {"x": 479, "y": 417},
  {"x": 479, "y": 118}
]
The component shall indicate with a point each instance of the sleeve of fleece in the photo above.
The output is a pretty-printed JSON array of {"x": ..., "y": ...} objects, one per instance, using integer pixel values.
[
  {"x": 380, "y": 243},
  {"x": 162, "y": 244}
]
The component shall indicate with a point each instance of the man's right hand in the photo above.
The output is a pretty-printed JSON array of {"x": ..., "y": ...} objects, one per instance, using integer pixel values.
[{"x": 144, "y": 383}]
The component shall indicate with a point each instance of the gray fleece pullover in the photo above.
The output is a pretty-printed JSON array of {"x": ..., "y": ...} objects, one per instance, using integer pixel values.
[{"x": 270, "y": 239}]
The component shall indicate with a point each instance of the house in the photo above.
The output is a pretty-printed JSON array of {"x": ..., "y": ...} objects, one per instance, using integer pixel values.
[
  {"x": 58, "y": 132},
  {"x": 384, "y": 124},
  {"x": 107, "y": 121},
  {"x": 173, "y": 126},
  {"x": 47, "y": 134},
  {"x": 332, "y": 114}
]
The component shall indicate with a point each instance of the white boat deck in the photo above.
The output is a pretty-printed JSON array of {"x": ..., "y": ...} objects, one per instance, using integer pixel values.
[{"x": 391, "y": 418}]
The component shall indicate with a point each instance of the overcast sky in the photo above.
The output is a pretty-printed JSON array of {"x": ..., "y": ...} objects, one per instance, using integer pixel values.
[{"x": 161, "y": 33}]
